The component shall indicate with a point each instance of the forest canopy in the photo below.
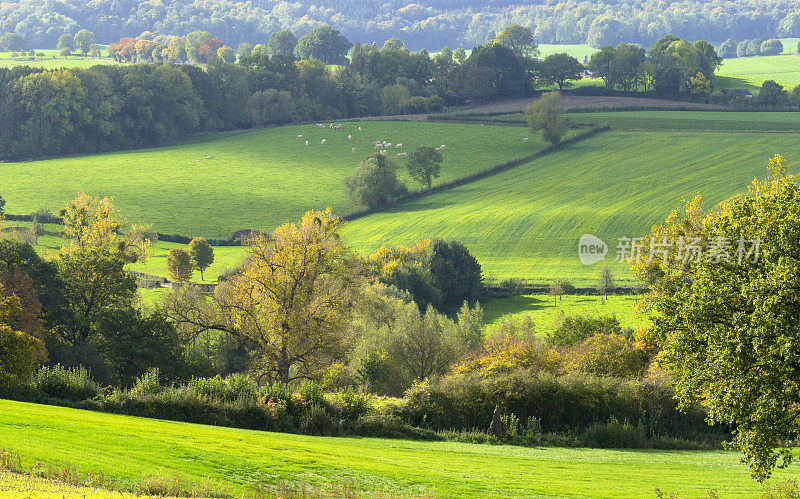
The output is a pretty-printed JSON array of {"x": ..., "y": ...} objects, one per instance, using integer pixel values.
[{"x": 429, "y": 25}]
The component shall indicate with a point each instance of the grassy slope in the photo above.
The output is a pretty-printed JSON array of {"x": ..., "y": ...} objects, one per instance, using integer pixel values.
[
  {"x": 54, "y": 60},
  {"x": 257, "y": 179},
  {"x": 543, "y": 312},
  {"x": 751, "y": 72},
  {"x": 126, "y": 449},
  {"x": 577, "y": 51},
  {"x": 16, "y": 485},
  {"x": 526, "y": 222},
  {"x": 691, "y": 120}
]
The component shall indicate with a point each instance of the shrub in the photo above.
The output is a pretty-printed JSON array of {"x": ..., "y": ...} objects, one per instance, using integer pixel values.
[
  {"x": 148, "y": 383},
  {"x": 614, "y": 435},
  {"x": 571, "y": 330},
  {"x": 317, "y": 421},
  {"x": 72, "y": 384},
  {"x": 607, "y": 355},
  {"x": 229, "y": 389},
  {"x": 349, "y": 404},
  {"x": 435, "y": 104}
]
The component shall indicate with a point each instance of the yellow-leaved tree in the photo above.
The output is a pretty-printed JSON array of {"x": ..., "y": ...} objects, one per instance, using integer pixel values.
[{"x": 288, "y": 302}]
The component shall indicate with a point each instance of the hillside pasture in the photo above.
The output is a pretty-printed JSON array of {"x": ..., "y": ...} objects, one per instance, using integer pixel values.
[
  {"x": 256, "y": 179},
  {"x": 751, "y": 72},
  {"x": 127, "y": 449},
  {"x": 689, "y": 120},
  {"x": 526, "y": 222},
  {"x": 53, "y": 59},
  {"x": 543, "y": 309}
]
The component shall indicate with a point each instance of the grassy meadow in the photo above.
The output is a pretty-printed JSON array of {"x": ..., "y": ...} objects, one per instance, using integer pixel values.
[
  {"x": 526, "y": 222},
  {"x": 127, "y": 449},
  {"x": 256, "y": 179},
  {"x": 751, "y": 72},
  {"x": 543, "y": 310},
  {"x": 53, "y": 59}
]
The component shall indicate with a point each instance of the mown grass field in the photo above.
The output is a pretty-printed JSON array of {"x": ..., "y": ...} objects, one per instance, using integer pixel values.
[
  {"x": 526, "y": 222},
  {"x": 751, "y": 72},
  {"x": 257, "y": 179},
  {"x": 126, "y": 449},
  {"x": 543, "y": 310},
  {"x": 26, "y": 486},
  {"x": 689, "y": 120},
  {"x": 54, "y": 60}
]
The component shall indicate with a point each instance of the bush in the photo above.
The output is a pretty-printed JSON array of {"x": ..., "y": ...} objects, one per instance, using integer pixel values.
[
  {"x": 614, "y": 435},
  {"x": 73, "y": 384},
  {"x": 230, "y": 389},
  {"x": 148, "y": 383},
  {"x": 317, "y": 421},
  {"x": 571, "y": 330},
  {"x": 435, "y": 104},
  {"x": 607, "y": 355}
]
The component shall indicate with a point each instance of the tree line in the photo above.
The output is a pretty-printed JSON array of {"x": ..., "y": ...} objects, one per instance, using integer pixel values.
[
  {"x": 433, "y": 25},
  {"x": 68, "y": 111}
]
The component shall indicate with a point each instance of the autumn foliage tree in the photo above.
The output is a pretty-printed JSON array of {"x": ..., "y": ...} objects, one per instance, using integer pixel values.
[
  {"x": 209, "y": 49},
  {"x": 288, "y": 302},
  {"x": 180, "y": 265},
  {"x": 727, "y": 320}
]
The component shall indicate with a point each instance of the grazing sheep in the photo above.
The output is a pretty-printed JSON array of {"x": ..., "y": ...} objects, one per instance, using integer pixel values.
[
  {"x": 401, "y": 155},
  {"x": 525, "y": 139},
  {"x": 349, "y": 137},
  {"x": 437, "y": 149},
  {"x": 383, "y": 151},
  {"x": 209, "y": 157},
  {"x": 299, "y": 137},
  {"x": 377, "y": 146},
  {"x": 323, "y": 142},
  {"x": 353, "y": 150},
  {"x": 306, "y": 143},
  {"x": 388, "y": 144},
  {"x": 359, "y": 129},
  {"x": 399, "y": 146},
  {"x": 441, "y": 146}
]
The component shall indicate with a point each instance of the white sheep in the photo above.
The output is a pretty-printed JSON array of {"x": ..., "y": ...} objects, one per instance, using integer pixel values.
[
  {"x": 437, "y": 149},
  {"x": 349, "y": 137},
  {"x": 441, "y": 146},
  {"x": 359, "y": 129},
  {"x": 306, "y": 143},
  {"x": 383, "y": 151},
  {"x": 353, "y": 150},
  {"x": 389, "y": 144},
  {"x": 209, "y": 157},
  {"x": 299, "y": 137},
  {"x": 401, "y": 155},
  {"x": 399, "y": 146},
  {"x": 323, "y": 142},
  {"x": 378, "y": 146},
  {"x": 525, "y": 139}
]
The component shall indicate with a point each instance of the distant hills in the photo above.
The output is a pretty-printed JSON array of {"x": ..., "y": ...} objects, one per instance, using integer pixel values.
[{"x": 429, "y": 24}]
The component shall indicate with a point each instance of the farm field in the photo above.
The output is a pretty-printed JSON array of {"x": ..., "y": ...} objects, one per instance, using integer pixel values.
[
  {"x": 18, "y": 485},
  {"x": 257, "y": 179},
  {"x": 54, "y": 60},
  {"x": 577, "y": 51},
  {"x": 751, "y": 72},
  {"x": 543, "y": 312},
  {"x": 690, "y": 120},
  {"x": 126, "y": 449},
  {"x": 526, "y": 222}
]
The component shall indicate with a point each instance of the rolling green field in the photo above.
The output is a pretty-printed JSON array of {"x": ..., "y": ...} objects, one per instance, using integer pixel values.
[
  {"x": 751, "y": 72},
  {"x": 719, "y": 121},
  {"x": 543, "y": 311},
  {"x": 257, "y": 179},
  {"x": 126, "y": 449},
  {"x": 577, "y": 51},
  {"x": 54, "y": 60},
  {"x": 691, "y": 120},
  {"x": 526, "y": 222}
]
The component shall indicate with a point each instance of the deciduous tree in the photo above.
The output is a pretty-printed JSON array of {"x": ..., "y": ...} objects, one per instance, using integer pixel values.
[
  {"x": 202, "y": 254},
  {"x": 179, "y": 265},
  {"x": 545, "y": 114},
  {"x": 424, "y": 164}
]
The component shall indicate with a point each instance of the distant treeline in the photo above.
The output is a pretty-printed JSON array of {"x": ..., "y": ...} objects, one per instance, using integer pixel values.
[
  {"x": 431, "y": 24},
  {"x": 44, "y": 113}
]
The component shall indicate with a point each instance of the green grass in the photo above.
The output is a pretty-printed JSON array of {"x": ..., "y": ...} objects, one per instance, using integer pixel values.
[
  {"x": 526, "y": 222},
  {"x": 688, "y": 120},
  {"x": 17, "y": 485},
  {"x": 53, "y": 60},
  {"x": 751, "y": 72},
  {"x": 543, "y": 311},
  {"x": 577, "y": 51},
  {"x": 126, "y": 449},
  {"x": 257, "y": 179}
]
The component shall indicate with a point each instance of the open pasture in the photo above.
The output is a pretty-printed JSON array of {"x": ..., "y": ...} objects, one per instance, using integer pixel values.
[
  {"x": 751, "y": 72},
  {"x": 257, "y": 179},
  {"x": 53, "y": 59},
  {"x": 543, "y": 310},
  {"x": 526, "y": 222},
  {"x": 126, "y": 449},
  {"x": 690, "y": 120}
]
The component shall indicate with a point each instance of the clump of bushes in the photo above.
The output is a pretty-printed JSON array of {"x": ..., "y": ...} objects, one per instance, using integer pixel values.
[{"x": 71, "y": 384}]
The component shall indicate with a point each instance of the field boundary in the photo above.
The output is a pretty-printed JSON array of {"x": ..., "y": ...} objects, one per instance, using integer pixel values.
[{"x": 480, "y": 175}]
